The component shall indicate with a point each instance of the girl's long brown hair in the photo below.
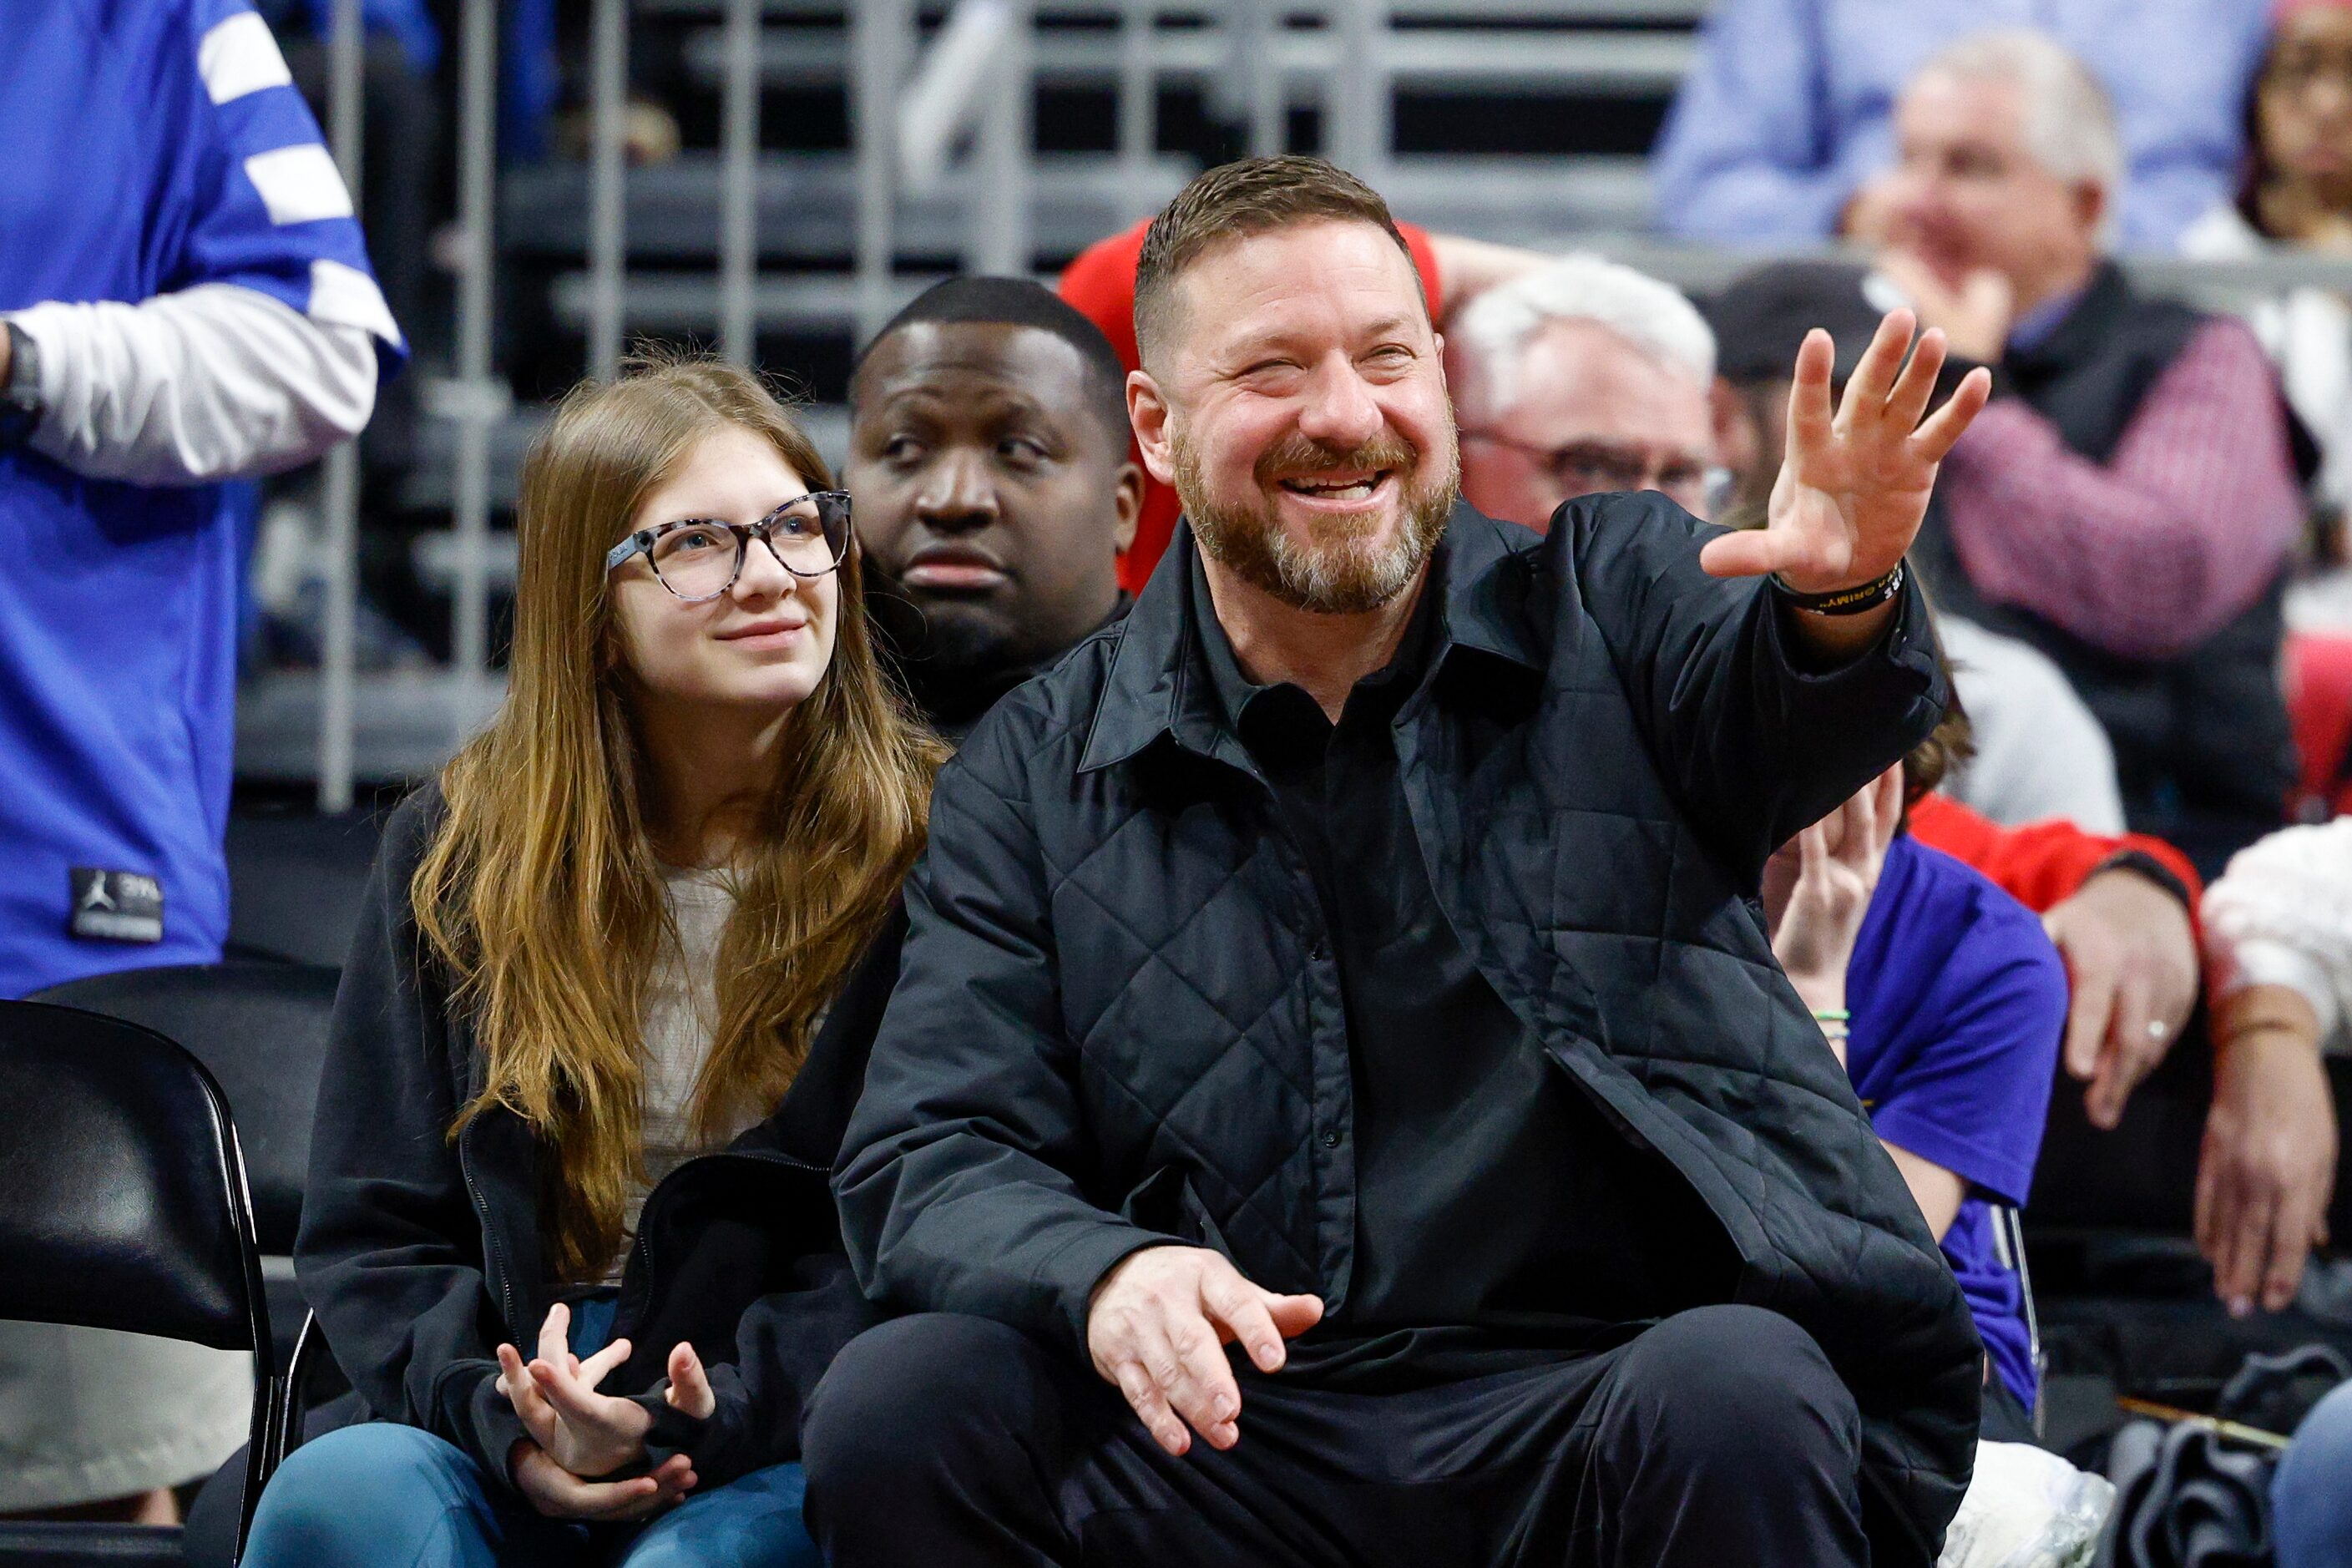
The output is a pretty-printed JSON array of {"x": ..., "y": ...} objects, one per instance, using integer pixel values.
[{"x": 540, "y": 891}]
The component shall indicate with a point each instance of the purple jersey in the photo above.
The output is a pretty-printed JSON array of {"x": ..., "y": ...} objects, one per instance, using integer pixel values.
[{"x": 1958, "y": 1003}]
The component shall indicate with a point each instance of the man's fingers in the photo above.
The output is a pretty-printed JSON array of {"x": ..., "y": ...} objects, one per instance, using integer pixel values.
[
  {"x": 1239, "y": 1311},
  {"x": 2090, "y": 1002},
  {"x": 1293, "y": 1315},
  {"x": 1874, "y": 374},
  {"x": 1857, "y": 846},
  {"x": 1150, "y": 1407},
  {"x": 1811, "y": 421},
  {"x": 2131, "y": 1051},
  {"x": 2204, "y": 1224},
  {"x": 1940, "y": 431},
  {"x": 1917, "y": 385},
  {"x": 1201, "y": 1388},
  {"x": 1753, "y": 552},
  {"x": 1886, "y": 795},
  {"x": 2244, "y": 1236},
  {"x": 2291, "y": 1224}
]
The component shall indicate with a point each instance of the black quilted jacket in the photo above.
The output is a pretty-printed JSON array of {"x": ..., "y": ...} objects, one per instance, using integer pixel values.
[{"x": 1115, "y": 1023}]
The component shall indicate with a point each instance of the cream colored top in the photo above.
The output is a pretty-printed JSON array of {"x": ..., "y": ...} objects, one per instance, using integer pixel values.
[{"x": 681, "y": 1018}]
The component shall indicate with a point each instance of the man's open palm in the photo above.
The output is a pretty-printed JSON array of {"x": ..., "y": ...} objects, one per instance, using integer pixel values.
[{"x": 1855, "y": 481}]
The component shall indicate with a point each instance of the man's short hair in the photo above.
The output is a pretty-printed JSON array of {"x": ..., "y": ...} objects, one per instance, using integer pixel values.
[
  {"x": 1017, "y": 303},
  {"x": 1497, "y": 327},
  {"x": 1236, "y": 200},
  {"x": 2070, "y": 121}
]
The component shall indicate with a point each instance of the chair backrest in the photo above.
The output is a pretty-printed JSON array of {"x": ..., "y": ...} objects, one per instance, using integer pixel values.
[
  {"x": 261, "y": 1030},
  {"x": 122, "y": 1198}
]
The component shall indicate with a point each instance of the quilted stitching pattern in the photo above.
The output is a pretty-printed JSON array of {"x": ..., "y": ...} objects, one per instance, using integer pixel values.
[{"x": 1209, "y": 1042}]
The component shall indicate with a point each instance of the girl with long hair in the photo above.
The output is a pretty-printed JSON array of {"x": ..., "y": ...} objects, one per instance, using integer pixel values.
[{"x": 567, "y": 1228}]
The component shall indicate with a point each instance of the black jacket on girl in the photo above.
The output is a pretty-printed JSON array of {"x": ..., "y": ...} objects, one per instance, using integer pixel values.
[{"x": 420, "y": 1253}]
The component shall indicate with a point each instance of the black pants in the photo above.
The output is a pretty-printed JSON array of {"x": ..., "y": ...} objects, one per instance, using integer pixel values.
[{"x": 1720, "y": 1437}]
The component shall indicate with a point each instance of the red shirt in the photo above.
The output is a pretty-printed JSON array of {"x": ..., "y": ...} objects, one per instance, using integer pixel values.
[
  {"x": 2042, "y": 863},
  {"x": 1100, "y": 285}
]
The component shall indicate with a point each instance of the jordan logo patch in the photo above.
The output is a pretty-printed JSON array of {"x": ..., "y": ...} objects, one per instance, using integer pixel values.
[{"x": 115, "y": 906}]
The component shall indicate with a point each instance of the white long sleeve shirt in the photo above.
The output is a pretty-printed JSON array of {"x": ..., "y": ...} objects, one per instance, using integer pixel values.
[
  {"x": 212, "y": 383},
  {"x": 2281, "y": 915}
]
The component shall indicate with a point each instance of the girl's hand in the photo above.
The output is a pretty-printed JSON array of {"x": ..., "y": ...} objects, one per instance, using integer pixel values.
[
  {"x": 557, "y": 1493},
  {"x": 1830, "y": 872},
  {"x": 588, "y": 1433}
]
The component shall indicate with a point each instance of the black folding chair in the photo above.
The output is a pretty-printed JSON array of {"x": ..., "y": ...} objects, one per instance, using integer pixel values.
[
  {"x": 261, "y": 1029},
  {"x": 123, "y": 1206}
]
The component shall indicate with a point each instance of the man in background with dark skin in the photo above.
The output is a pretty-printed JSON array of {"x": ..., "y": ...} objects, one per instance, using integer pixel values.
[{"x": 988, "y": 465}]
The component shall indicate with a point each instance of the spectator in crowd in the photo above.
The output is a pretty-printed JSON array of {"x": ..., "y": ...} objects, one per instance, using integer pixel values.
[
  {"x": 2037, "y": 752},
  {"x": 1786, "y": 118},
  {"x": 1945, "y": 1001},
  {"x": 187, "y": 304},
  {"x": 2129, "y": 503},
  {"x": 1583, "y": 376},
  {"x": 1162, "y": 1067},
  {"x": 2278, "y": 950},
  {"x": 650, "y": 914},
  {"x": 2296, "y": 195},
  {"x": 988, "y": 455},
  {"x": 1578, "y": 377},
  {"x": 2124, "y": 913},
  {"x": 1100, "y": 284},
  {"x": 2278, "y": 947},
  {"x": 2121, "y": 909}
]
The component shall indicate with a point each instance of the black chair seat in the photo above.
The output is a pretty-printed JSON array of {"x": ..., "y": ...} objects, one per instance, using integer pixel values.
[{"x": 90, "y": 1546}]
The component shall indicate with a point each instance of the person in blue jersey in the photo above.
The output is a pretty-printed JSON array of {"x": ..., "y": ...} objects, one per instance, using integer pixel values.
[
  {"x": 1945, "y": 1002},
  {"x": 185, "y": 302}
]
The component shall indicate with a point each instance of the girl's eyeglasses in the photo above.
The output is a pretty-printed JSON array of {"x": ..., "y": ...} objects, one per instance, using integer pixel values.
[{"x": 700, "y": 558}]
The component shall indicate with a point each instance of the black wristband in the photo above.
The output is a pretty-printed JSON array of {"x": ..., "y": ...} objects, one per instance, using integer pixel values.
[
  {"x": 2140, "y": 863},
  {"x": 1844, "y": 601}
]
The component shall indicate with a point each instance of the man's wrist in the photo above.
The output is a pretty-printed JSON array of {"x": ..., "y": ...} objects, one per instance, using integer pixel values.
[
  {"x": 20, "y": 389},
  {"x": 1857, "y": 600},
  {"x": 2148, "y": 868},
  {"x": 2262, "y": 1017}
]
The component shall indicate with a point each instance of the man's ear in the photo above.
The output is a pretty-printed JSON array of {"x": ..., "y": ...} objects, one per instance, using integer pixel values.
[
  {"x": 2092, "y": 201},
  {"x": 1127, "y": 499},
  {"x": 1146, "y": 410}
]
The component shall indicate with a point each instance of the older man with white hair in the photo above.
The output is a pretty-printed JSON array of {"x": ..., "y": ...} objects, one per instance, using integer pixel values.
[
  {"x": 1580, "y": 377},
  {"x": 2129, "y": 501}
]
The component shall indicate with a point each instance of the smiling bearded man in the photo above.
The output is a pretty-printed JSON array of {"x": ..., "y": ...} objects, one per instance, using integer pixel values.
[
  {"x": 1348, "y": 569},
  {"x": 1345, "y": 958}
]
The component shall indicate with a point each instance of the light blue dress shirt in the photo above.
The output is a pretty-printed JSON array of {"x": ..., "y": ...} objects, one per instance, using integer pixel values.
[{"x": 1789, "y": 105}]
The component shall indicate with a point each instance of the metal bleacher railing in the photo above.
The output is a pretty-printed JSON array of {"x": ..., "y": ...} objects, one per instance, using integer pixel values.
[{"x": 941, "y": 171}]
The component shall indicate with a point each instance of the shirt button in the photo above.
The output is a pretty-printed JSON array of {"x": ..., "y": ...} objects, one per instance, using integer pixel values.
[
  {"x": 1330, "y": 1140},
  {"x": 1320, "y": 952}
]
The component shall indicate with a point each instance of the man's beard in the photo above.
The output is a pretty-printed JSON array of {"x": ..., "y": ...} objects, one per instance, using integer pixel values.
[{"x": 1346, "y": 570}]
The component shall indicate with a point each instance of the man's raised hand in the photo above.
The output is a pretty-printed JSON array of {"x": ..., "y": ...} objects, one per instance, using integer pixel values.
[
  {"x": 1157, "y": 1328},
  {"x": 1855, "y": 481}
]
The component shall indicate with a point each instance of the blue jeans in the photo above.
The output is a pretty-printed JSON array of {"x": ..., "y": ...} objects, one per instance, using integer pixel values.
[
  {"x": 387, "y": 1495},
  {"x": 2311, "y": 1495}
]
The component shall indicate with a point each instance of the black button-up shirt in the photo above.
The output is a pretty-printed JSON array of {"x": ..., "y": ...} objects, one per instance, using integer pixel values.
[{"x": 1490, "y": 1193}]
